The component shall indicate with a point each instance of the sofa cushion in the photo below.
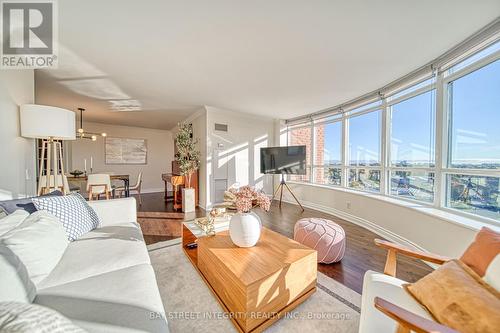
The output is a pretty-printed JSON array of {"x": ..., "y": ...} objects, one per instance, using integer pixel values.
[
  {"x": 10, "y": 206},
  {"x": 100, "y": 251},
  {"x": 15, "y": 284},
  {"x": 39, "y": 242},
  {"x": 391, "y": 289},
  {"x": 31, "y": 318},
  {"x": 11, "y": 221},
  {"x": 115, "y": 211},
  {"x": 127, "y": 297},
  {"x": 73, "y": 212}
]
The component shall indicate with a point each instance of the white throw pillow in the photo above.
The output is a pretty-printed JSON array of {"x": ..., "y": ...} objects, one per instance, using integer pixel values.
[
  {"x": 492, "y": 275},
  {"x": 15, "y": 284},
  {"x": 13, "y": 220},
  {"x": 39, "y": 242},
  {"x": 33, "y": 318},
  {"x": 73, "y": 211}
]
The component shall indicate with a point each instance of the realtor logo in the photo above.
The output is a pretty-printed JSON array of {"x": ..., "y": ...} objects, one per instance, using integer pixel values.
[{"x": 28, "y": 34}]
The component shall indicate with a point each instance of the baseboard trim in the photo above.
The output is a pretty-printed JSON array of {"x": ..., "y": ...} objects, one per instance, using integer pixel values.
[{"x": 373, "y": 227}]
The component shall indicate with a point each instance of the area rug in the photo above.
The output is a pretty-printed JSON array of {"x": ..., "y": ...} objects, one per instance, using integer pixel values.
[{"x": 191, "y": 307}]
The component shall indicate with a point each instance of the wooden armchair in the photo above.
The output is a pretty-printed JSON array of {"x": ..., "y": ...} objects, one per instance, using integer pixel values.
[{"x": 406, "y": 320}]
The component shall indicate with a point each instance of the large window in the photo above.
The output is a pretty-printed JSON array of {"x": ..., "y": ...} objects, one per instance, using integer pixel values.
[
  {"x": 412, "y": 131},
  {"x": 473, "y": 176},
  {"x": 412, "y": 140},
  {"x": 435, "y": 141},
  {"x": 474, "y": 104},
  {"x": 364, "y": 151},
  {"x": 328, "y": 153},
  {"x": 364, "y": 139}
]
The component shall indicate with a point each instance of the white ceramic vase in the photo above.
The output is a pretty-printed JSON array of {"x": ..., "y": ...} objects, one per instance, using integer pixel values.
[{"x": 244, "y": 229}]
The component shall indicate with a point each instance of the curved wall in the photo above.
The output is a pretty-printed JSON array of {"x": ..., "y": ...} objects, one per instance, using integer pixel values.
[{"x": 406, "y": 223}]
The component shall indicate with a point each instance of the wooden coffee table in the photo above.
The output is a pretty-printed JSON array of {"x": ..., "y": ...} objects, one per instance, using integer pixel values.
[{"x": 256, "y": 285}]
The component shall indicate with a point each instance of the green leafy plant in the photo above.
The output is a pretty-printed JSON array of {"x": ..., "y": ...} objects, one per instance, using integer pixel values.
[{"x": 187, "y": 154}]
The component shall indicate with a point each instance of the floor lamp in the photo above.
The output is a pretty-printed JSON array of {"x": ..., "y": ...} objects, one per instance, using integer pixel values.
[{"x": 50, "y": 124}]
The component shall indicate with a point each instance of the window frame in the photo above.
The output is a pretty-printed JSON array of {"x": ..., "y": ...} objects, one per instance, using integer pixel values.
[
  {"x": 347, "y": 167},
  {"x": 449, "y": 76},
  {"x": 389, "y": 168},
  {"x": 318, "y": 166}
]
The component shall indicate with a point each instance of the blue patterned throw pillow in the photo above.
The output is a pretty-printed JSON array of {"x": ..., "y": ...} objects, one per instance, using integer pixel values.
[{"x": 73, "y": 211}]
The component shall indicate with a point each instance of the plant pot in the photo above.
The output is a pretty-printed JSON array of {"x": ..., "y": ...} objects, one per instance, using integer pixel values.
[
  {"x": 245, "y": 229},
  {"x": 188, "y": 200}
]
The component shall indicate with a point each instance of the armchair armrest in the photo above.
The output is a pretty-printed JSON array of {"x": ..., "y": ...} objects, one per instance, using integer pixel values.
[
  {"x": 394, "y": 249},
  {"x": 409, "y": 321}
]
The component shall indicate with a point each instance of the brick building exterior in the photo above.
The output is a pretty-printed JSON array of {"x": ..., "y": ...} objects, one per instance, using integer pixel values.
[{"x": 303, "y": 136}]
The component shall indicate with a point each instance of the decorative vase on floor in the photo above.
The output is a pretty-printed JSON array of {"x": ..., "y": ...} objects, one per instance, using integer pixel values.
[
  {"x": 188, "y": 198},
  {"x": 244, "y": 229}
]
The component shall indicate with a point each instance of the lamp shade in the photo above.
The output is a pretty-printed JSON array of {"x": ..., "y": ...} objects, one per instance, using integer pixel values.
[{"x": 44, "y": 122}]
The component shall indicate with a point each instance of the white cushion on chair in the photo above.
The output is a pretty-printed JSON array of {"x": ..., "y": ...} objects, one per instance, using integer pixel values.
[
  {"x": 391, "y": 289},
  {"x": 492, "y": 275}
]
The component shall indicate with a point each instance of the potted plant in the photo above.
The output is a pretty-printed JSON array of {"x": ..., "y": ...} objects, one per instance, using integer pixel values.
[
  {"x": 188, "y": 157},
  {"x": 245, "y": 226}
]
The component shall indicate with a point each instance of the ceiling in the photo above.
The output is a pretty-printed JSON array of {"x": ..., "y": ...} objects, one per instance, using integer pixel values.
[{"x": 274, "y": 58}]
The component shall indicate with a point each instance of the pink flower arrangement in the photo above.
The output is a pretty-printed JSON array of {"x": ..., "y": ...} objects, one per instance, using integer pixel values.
[{"x": 248, "y": 197}]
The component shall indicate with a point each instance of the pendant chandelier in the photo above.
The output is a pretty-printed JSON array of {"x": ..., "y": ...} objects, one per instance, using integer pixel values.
[{"x": 82, "y": 134}]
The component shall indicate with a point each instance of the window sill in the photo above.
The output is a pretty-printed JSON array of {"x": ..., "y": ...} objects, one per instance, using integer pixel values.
[{"x": 442, "y": 214}]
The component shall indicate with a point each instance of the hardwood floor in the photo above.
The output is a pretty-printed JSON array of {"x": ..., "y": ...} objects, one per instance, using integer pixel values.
[
  {"x": 154, "y": 202},
  {"x": 361, "y": 253}
]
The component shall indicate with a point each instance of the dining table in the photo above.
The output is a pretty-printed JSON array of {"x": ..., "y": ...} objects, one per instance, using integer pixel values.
[{"x": 124, "y": 178}]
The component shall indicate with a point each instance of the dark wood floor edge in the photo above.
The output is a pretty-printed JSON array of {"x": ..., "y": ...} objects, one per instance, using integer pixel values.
[
  {"x": 338, "y": 297},
  {"x": 164, "y": 247},
  {"x": 368, "y": 225}
]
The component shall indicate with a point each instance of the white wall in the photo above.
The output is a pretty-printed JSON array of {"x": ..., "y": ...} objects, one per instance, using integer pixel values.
[
  {"x": 200, "y": 133},
  {"x": 235, "y": 155},
  {"x": 17, "y": 167},
  {"x": 160, "y": 146}
]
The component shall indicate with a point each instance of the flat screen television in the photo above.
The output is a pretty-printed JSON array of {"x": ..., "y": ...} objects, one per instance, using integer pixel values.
[{"x": 290, "y": 160}]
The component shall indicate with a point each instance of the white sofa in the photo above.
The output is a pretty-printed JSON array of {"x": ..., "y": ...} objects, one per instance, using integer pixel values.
[{"x": 105, "y": 281}]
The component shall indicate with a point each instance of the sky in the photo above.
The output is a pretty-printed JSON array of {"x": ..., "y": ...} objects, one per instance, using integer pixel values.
[
  {"x": 475, "y": 125},
  {"x": 476, "y": 115}
]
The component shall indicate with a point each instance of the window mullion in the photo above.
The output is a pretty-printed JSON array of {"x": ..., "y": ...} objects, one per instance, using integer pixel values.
[
  {"x": 345, "y": 141},
  {"x": 385, "y": 146},
  {"x": 311, "y": 153},
  {"x": 442, "y": 140}
]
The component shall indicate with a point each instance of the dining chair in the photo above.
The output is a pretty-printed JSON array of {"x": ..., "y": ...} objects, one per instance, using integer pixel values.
[
  {"x": 136, "y": 187},
  {"x": 61, "y": 183},
  {"x": 97, "y": 184}
]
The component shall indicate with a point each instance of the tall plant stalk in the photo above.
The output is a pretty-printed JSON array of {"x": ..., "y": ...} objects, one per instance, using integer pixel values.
[{"x": 187, "y": 154}]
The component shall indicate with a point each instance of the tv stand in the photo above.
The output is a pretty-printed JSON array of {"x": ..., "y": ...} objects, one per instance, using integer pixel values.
[{"x": 280, "y": 187}]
